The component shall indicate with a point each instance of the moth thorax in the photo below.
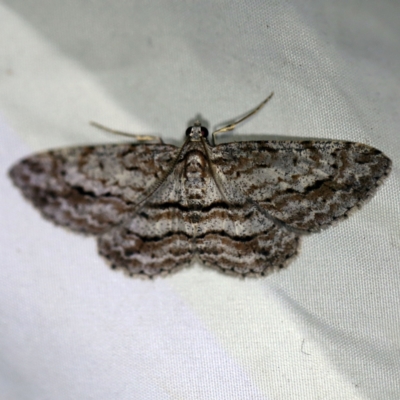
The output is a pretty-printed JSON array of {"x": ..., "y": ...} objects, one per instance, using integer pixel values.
[{"x": 195, "y": 177}]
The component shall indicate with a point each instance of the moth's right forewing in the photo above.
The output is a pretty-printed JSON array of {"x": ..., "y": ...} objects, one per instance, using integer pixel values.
[{"x": 307, "y": 185}]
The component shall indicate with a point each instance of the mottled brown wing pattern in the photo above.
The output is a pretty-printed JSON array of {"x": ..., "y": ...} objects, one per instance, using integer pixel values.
[
  {"x": 173, "y": 227},
  {"x": 91, "y": 189},
  {"x": 228, "y": 235},
  {"x": 238, "y": 207},
  {"x": 243, "y": 241},
  {"x": 236, "y": 240},
  {"x": 150, "y": 257},
  {"x": 306, "y": 185}
]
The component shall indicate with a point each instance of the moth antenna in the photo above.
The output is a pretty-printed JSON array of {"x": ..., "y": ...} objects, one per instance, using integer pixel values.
[
  {"x": 140, "y": 138},
  {"x": 233, "y": 125}
]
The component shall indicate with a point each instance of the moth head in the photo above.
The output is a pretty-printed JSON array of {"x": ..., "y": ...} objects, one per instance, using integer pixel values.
[{"x": 196, "y": 132}]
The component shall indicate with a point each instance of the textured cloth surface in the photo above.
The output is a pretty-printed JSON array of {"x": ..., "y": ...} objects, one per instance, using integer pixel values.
[{"x": 327, "y": 327}]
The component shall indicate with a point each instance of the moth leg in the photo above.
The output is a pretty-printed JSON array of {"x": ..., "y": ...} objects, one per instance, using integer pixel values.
[
  {"x": 233, "y": 125},
  {"x": 140, "y": 138}
]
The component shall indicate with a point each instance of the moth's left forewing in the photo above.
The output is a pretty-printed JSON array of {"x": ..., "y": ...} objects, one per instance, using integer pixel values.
[
  {"x": 91, "y": 189},
  {"x": 307, "y": 185}
]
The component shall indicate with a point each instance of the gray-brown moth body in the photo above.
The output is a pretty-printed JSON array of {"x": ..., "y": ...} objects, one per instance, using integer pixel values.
[{"x": 238, "y": 207}]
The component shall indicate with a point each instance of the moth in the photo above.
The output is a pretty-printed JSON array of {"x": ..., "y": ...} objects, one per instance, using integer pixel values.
[{"x": 239, "y": 207}]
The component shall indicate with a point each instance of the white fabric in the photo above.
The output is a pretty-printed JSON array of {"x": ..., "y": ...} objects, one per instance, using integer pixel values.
[{"x": 327, "y": 327}]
